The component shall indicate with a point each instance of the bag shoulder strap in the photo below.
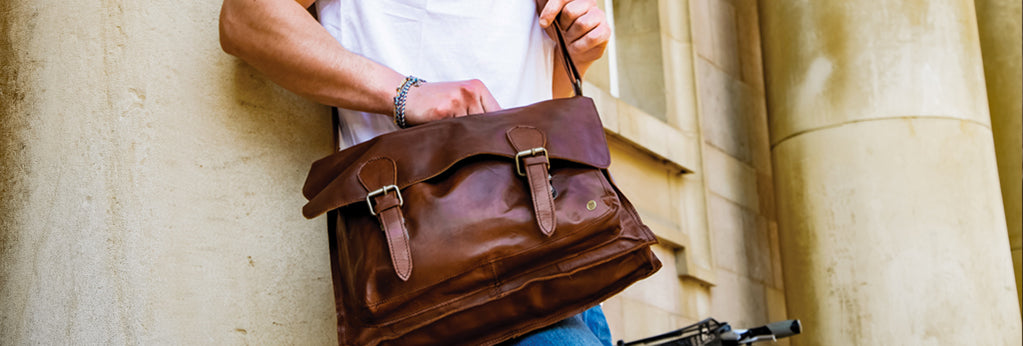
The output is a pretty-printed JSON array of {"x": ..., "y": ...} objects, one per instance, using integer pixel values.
[{"x": 573, "y": 73}]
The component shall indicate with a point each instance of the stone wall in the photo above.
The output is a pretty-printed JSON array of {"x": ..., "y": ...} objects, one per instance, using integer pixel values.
[
  {"x": 149, "y": 189},
  {"x": 737, "y": 160},
  {"x": 699, "y": 63}
]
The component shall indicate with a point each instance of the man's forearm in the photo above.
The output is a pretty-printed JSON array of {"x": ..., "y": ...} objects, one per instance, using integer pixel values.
[{"x": 281, "y": 39}]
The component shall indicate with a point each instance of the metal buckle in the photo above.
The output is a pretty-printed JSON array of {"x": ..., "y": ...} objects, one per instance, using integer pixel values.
[
  {"x": 530, "y": 152},
  {"x": 382, "y": 191}
]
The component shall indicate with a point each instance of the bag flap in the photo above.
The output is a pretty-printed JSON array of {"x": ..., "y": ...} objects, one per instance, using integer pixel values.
[{"x": 572, "y": 127}]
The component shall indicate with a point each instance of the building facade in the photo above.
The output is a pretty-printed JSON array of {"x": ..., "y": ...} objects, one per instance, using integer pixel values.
[{"x": 854, "y": 164}]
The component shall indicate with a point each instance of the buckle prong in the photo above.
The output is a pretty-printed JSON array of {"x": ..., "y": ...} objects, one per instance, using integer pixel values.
[
  {"x": 381, "y": 191},
  {"x": 530, "y": 152}
]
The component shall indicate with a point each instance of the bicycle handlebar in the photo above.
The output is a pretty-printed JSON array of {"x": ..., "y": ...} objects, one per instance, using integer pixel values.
[
  {"x": 712, "y": 332},
  {"x": 779, "y": 329}
]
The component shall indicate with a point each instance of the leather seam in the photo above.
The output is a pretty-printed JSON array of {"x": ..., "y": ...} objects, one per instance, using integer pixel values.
[
  {"x": 635, "y": 247},
  {"x": 417, "y": 180},
  {"x": 603, "y": 295},
  {"x": 394, "y": 174}
]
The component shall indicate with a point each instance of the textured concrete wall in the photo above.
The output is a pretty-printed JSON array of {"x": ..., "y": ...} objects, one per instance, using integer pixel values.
[
  {"x": 737, "y": 163},
  {"x": 892, "y": 227},
  {"x": 717, "y": 222},
  {"x": 715, "y": 124},
  {"x": 1001, "y": 40},
  {"x": 149, "y": 187}
]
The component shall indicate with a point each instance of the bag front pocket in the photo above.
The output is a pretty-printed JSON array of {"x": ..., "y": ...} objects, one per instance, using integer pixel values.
[{"x": 471, "y": 228}]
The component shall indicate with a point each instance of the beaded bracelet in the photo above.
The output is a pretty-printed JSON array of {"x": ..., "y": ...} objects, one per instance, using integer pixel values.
[{"x": 399, "y": 99}]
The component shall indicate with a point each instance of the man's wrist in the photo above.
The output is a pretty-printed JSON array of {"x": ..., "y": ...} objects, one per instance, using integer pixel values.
[{"x": 401, "y": 97}]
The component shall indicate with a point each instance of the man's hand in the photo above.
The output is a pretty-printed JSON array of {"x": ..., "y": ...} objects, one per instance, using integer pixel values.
[
  {"x": 281, "y": 39},
  {"x": 586, "y": 34},
  {"x": 435, "y": 101},
  {"x": 585, "y": 26}
]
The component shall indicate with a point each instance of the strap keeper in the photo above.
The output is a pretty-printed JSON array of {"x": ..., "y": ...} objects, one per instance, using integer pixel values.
[
  {"x": 530, "y": 152},
  {"x": 381, "y": 191}
]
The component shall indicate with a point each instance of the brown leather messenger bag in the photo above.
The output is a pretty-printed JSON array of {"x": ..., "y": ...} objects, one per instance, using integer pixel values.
[{"x": 477, "y": 229}]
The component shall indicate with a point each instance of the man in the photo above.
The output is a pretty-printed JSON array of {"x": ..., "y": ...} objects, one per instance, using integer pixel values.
[{"x": 478, "y": 55}]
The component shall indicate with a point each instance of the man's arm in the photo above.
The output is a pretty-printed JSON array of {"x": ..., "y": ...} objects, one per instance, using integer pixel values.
[
  {"x": 281, "y": 39},
  {"x": 586, "y": 32}
]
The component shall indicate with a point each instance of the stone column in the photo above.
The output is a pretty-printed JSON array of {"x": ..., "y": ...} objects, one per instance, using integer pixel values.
[
  {"x": 1001, "y": 42},
  {"x": 149, "y": 184},
  {"x": 891, "y": 222}
]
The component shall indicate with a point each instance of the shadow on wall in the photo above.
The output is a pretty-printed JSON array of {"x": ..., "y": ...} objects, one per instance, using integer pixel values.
[{"x": 12, "y": 143}]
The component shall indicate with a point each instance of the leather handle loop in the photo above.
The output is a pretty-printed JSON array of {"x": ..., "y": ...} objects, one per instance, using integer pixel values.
[{"x": 573, "y": 73}]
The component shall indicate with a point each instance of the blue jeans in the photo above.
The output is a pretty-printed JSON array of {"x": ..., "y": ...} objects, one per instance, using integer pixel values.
[{"x": 587, "y": 328}]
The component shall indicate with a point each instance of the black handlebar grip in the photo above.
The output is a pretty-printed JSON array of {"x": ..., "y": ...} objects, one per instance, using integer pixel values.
[{"x": 786, "y": 328}]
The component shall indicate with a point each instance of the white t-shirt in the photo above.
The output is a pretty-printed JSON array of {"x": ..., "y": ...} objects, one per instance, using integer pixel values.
[{"x": 499, "y": 42}]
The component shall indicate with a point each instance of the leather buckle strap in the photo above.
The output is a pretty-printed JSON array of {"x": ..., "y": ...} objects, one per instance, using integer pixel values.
[
  {"x": 573, "y": 73},
  {"x": 530, "y": 142},
  {"x": 379, "y": 176}
]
